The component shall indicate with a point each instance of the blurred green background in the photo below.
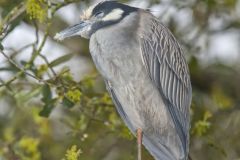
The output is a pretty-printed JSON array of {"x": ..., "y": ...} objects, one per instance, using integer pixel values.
[{"x": 53, "y": 102}]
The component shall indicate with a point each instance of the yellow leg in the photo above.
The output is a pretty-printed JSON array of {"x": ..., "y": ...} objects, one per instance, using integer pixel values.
[{"x": 139, "y": 143}]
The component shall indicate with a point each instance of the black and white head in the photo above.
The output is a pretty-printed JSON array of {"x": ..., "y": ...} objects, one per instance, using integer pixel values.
[{"x": 96, "y": 17}]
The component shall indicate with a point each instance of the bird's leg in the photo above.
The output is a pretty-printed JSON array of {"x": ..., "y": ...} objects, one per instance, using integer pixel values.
[{"x": 139, "y": 143}]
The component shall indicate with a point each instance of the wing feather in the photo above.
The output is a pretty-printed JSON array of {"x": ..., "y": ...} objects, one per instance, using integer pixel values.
[{"x": 165, "y": 63}]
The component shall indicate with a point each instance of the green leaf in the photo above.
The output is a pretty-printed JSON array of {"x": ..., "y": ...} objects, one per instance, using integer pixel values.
[
  {"x": 1, "y": 47},
  {"x": 47, "y": 108},
  {"x": 45, "y": 112},
  {"x": 47, "y": 94},
  {"x": 10, "y": 68},
  {"x": 47, "y": 100},
  {"x": 60, "y": 60},
  {"x": 67, "y": 103}
]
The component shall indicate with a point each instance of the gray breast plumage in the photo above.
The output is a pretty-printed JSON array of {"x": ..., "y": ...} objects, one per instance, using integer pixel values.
[{"x": 116, "y": 52}]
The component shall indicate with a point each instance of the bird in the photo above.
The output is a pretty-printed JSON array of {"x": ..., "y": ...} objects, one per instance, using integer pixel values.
[{"x": 145, "y": 72}]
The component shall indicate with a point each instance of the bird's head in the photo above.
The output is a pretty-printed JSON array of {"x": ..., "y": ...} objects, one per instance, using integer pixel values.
[{"x": 96, "y": 17}]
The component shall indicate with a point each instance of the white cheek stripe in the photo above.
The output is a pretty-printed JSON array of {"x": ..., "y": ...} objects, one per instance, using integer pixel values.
[{"x": 114, "y": 15}]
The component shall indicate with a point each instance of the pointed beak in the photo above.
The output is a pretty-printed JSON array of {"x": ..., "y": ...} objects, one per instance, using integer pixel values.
[{"x": 80, "y": 29}]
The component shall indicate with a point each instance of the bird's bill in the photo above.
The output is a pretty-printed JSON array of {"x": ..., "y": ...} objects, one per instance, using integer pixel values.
[{"x": 77, "y": 29}]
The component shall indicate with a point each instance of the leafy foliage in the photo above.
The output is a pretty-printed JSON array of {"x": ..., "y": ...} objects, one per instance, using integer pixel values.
[
  {"x": 73, "y": 153},
  {"x": 36, "y": 9},
  {"x": 29, "y": 147},
  {"x": 201, "y": 126}
]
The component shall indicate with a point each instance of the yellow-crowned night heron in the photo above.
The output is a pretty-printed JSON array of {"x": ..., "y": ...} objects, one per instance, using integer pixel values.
[{"x": 145, "y": 72}]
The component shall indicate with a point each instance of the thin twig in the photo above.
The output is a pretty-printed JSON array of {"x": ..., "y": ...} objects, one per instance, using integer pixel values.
[
  {"x": 22, "y": 71},
  {"x": 36, "y": 33},
  {"x": 15, "y": 13},
  {"x": 48, "y": 64},
  {"x": 15, "y": 65}
]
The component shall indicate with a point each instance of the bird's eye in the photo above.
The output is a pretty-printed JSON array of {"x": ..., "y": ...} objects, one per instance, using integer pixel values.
[{"x": 99, "y": 14}]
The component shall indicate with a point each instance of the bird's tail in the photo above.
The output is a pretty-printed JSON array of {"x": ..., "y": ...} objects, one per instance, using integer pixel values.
[{"x": 158, "y": 150}]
